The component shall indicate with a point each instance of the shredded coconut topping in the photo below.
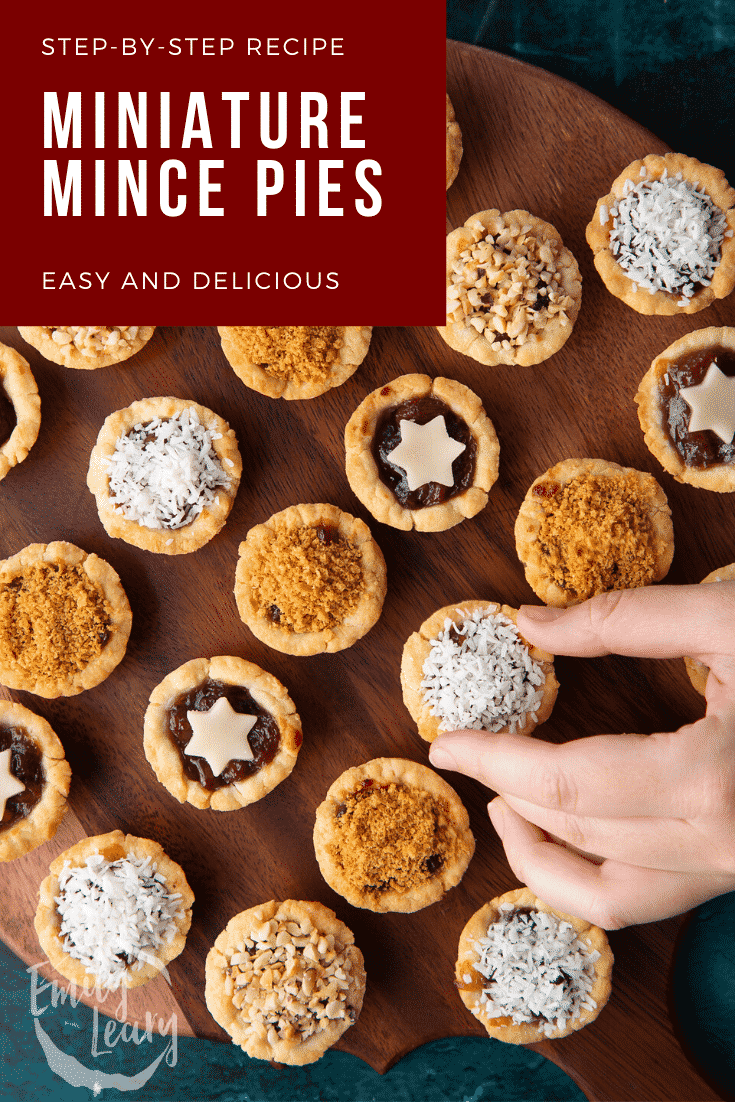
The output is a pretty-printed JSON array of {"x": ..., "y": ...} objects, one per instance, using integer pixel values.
[
  {"x": 667, "y": 235},
  {"x": 537, "y": 968},
  {"x": 480, "y": 675},
  {"x": 115, "y": 916},
  {"x": 91, "y": 339},
  {"x": 165, "y": 472}
]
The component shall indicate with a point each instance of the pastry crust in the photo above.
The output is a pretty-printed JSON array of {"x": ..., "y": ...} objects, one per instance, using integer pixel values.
[
  {"x": 256, "y": 547},
  {"x": 613, "y": 276},
  {"x": 453, "y": 821},
  {"x": 454, "y": 144},
  {"x": 362, "y": 470},
  {"x": 44, "y": 818},
  {"x": 112, "y": 847},
  {"x": 698, "y": 672},
  {"x": 20, "y": 387},
  {"x": 354, "y": 342},
  {"x": 418, "y": 648},
  {"x": 164, "y": 541},
  {"x": 508, "y": 229},
  {"x": 69, "y": 355},
  {"x": 532, "y": 514},
  {"x": 720, "y": 477},
  {"x": 265, "y": 690},
  {"x": 263, "y": 925},
  {"x": 13, "y": 673},
  {"x": 526, "y": 1033}
]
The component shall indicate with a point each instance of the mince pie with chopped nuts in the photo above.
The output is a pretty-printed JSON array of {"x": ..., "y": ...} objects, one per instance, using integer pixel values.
[{"x": 87, "y": 346}]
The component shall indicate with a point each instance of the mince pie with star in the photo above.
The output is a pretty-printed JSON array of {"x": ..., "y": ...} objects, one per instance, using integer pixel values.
[
  {"x": 221, "y": 733},
  {"x": 421, "y": 453},
  {"x": 686, "y": 407}
]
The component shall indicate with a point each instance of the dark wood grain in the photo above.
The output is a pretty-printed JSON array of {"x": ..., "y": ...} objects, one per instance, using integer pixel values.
[{"x": 531, "y": 141}]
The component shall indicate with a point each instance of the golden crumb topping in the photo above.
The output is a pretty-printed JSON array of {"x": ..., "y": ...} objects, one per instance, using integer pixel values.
[
  {"x": 53, "y": 620},
  {"x": 299, "y": 353},
  {"x": 392, "y": 837},
  {"x": 596, "y": 534},
  {"x": 308, "y": 578}
]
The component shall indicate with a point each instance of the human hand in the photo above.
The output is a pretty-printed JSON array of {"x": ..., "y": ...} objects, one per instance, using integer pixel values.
[{"x": 654, "y": 815}]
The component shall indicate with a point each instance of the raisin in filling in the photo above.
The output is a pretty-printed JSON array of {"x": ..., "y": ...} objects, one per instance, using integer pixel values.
[
  {"x": 26, "y": 764},
  {"x": 264, "y": 737},
  {"x": 698, "y": 449},
  {"x": 8, "y": 419},
  {"x": 388, "y": 436}
]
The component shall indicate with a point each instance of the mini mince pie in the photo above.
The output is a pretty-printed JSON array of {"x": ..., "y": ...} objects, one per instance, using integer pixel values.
[
  {"x": 310, "y": 579},
  {"x": 165, "y": 473},
  {"x": 529, "y": 973},
  {"x": 421, "y": 453},
  {"x": 34, "y": 781},
  {"x": 454, "y": 144},
  {"x": 113, "y": 911},
  {"x": 87, "y": 346},
  {"x": 513, "y": 289},
  {"x": 20, "y": 409},
  {"x": 285, "y": 980},
  {"x": 391, "y": 835},
  {"x": 698, "y": 672},
  {"x": 468, "y": 666},
  {"x": 663, "y": 238},
  {"x": 294, "y": 361},
  {"x": 221, "y": 733},
  {"x": 64, "y": 620},
  {"x": 686, "y": 407},
  {"x": 588, "y": 526}
]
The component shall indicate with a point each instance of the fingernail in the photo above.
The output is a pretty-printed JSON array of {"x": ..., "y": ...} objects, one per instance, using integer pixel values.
[
  {"x": 441, "y": 758},
  {"x": 495, "y": 811},
  {"x": 541, "y": 614}
]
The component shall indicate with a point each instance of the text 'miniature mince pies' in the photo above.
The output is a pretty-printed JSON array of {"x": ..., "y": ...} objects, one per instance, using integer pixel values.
[
  {"x": 421, "y": 453},
  {"x": 698, "y": 672},
  {"x": 285, "y": 980},
  {"x": 64, "y": 620},
  {"x": 164, "y": 473},
  {"x": 294, "y": 361},
  {"x": 20, "y": 409},
  {"x": 529, "y": 973},
  {"x": 391, "y": 835},
  {"x": 221, "y": 733},
  {"x": 113, "y": 911},
  {"x": 310, "y": 579},
  {"x": 589, "y": 526},
  {"x": 663, "y": 237},
  {"x": 468, "y": 667},
  {"x": 686, "y": 408},
  {"x": 87, "y": 346},
  {"x": 454, "y": 144},
  {"x": 513, "y": 289},
  {"x": 34, "y": 781}
]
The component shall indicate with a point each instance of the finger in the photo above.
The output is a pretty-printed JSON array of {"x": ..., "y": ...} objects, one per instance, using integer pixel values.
[
  {"x": 672, "y": 844},
  {"x": 612, "y": 894},
  {"x": 610, "y": 775},
  {"x": 663, "y": 621}
]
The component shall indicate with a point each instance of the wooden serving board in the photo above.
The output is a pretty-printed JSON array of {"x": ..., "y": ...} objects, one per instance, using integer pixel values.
[{"x": 531, "y": 141}]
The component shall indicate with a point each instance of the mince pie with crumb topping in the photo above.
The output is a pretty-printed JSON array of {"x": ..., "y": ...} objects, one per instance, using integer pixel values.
[
  {"x": 34, "y": 781},
  {"x": 421, "y": 453},
  {"x": 391, "y": 835},
  {"x": 221, "y": 733}
]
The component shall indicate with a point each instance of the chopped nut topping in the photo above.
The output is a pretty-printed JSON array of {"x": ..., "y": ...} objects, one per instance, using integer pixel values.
[
  {"x": 507, "y": 286},
  {"x": 92, "y": 339},
  {"x": 300, "y": 353},
  {"x": 288, "y": 980}
]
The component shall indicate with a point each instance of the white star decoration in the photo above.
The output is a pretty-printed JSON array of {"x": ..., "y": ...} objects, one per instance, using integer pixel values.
[
  {"x": 426, "y": 453},
  {"x": 220, "y": 735},
  {"x": 9, "y": 785},
  {"x": 712, "y": 404}
]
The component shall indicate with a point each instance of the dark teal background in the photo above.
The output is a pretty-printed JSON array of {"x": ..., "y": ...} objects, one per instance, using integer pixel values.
[{"x": 669, "y": 65}]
